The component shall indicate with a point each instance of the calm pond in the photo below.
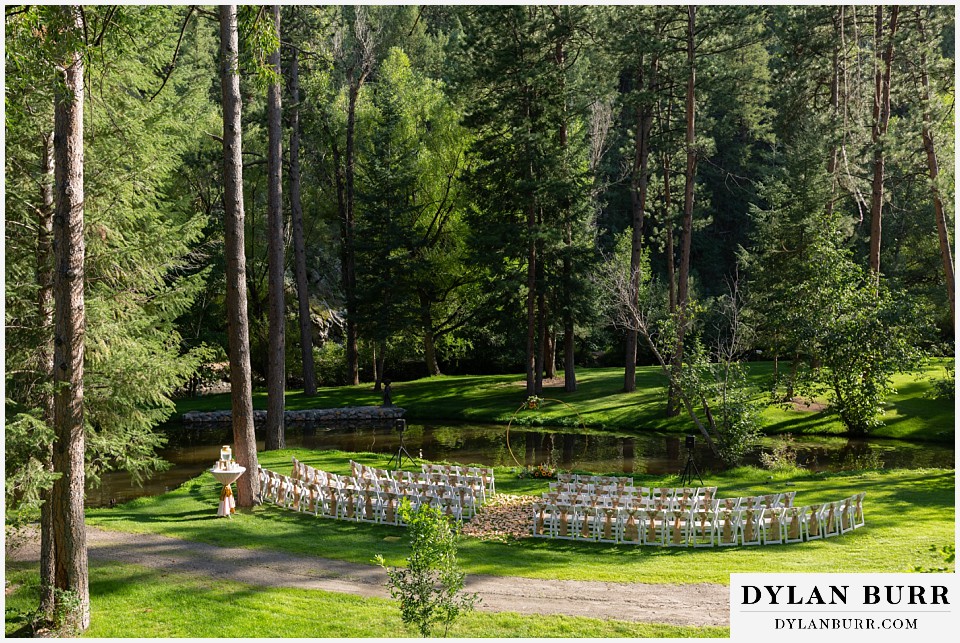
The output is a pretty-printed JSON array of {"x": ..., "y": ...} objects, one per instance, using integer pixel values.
[{"x": 192, "y": 450}]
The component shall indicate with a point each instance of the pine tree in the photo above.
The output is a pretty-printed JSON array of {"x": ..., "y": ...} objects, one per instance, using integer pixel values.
[
  {"x": 241, "y": 392},
  {"x": 276, "y": 363},
  {"x": 66, "y": 498}
]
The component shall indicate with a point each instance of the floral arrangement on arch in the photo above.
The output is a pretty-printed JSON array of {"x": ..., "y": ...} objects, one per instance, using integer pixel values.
[{"x": 542, "y": 470}]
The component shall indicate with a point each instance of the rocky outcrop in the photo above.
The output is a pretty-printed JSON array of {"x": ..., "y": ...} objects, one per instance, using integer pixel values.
[{"x": 347, "y": 415}]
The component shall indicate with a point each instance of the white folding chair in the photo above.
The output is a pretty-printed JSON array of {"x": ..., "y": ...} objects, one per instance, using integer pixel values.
[
  {"x": 832, "y": 518},
  {"x": 773, "y": 526},
  {"x": 750, "y": 530},
  {"x": 814, "y": 522},
  {"x": 858, "y": 520},
  {"x": 793, "y": 522},
  {"x": 654, "y": 527},
  {"x": 677, "y": 525},
  {"x": 563, "y": 525},
  {"x": 585, "y": 522},
  {"x": 630, "y": 526},
  {"x": 701, "y": 528},
  {"x": 727, "y": 527}
]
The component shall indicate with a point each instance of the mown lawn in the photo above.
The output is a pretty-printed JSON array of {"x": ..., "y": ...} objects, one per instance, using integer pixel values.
[
  {"x": 129, "y": 601},
  {"x": 909, "y": 514},
  {"x": 599, "y": 402}
]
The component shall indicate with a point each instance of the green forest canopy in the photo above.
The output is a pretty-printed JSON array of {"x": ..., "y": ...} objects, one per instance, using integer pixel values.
[{"x": 487, "y": 136}]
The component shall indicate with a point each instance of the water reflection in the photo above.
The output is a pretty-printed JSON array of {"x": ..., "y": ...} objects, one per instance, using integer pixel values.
[{"x": 192, "y": 450}]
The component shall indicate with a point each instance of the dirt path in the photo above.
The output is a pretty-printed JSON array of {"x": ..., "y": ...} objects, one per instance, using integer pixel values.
[{"x": 698, "y": 605}]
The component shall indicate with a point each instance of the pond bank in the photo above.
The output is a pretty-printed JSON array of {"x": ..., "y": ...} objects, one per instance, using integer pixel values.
[
  {"x": 913, "y": 413},
  {"x": 347, "y": 415}
]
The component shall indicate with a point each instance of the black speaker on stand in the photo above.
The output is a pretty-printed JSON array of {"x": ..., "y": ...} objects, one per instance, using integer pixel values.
[
  {"x": 686, "y": 476},
  {"x": 401, "y": 425}
]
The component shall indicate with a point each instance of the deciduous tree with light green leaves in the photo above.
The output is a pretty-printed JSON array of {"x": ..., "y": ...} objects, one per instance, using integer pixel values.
[{"x": 430, "y": 588}]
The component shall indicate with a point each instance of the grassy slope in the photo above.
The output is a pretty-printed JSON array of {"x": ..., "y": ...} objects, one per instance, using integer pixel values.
[
  {"x": 911, "y": 414},
  {"x": 129, "y": 601},
  {"x": 908, "y": 512}
]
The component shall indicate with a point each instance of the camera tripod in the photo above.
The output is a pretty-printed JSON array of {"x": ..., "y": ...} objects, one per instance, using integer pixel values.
[{"x": 400, "y": 424}]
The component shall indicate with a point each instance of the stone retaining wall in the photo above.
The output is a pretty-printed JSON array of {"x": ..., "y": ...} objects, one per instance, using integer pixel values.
[{"x": 345, "y": 415}]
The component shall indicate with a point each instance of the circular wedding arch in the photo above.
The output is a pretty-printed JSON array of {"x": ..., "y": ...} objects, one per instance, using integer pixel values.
[{"x": 534, "y": 403}]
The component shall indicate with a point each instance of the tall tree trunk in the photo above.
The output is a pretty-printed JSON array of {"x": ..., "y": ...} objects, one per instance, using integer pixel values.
[
  {"x": 673, "y": 402},
  {"x": 689, "y": 178},
  {"x": 541, "y": 333},
  {"x": 531, "y": 299},
  {"x": 429, "y": 346},
  {"x": 45, "y": 353},
  {"x": 549, "y": 355},
  {"x": 569, "y": 366},
  {"x": 379, "y": 363},
  {"x": 241, "y": 391},
  {"x": 349, "y": 268},
  {"x": 834, "y": 113},
  {"x": 934, "y": 170},
  {"x": 569, "y": 355},
  {"x": 276, "y": 341},
  {"x": 638, "y": 200},
  {"x": 67, "y": 497},
  {"x": 299, "y": 244},
  {"x": 668, "y": 223},
  {"x": 881, "y": 119}
]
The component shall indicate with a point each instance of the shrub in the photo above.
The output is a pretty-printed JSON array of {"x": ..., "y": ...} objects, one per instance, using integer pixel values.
[
  {"x": 944, "y": 388},
  {"x": 783, "y": 456},
  {"x": 430, "y": 588}
]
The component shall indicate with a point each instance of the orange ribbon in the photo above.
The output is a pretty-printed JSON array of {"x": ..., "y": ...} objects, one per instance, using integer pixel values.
[{"x": 227, "y": 493}]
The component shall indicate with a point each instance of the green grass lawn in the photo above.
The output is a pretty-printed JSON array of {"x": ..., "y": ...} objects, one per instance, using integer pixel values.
[
  {"x": 908, "y": 513},
  {"x": 129, "y": 601},
  {"x": 599, "y": 402}
]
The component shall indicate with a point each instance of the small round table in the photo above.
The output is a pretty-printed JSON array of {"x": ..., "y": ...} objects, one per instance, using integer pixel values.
[{"x": 226, "y": 477}]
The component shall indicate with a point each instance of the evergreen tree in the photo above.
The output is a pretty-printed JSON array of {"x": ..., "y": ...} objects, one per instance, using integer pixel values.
[
  {"x": 276, "y": 363},
  {"x": 241, "y": 387},
  {"x": 412, "y": 237},
  {"x": 528, "y": 178}
]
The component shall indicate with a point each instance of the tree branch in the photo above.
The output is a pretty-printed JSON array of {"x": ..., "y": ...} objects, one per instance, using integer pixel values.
[{"x": 176, "y": 52}]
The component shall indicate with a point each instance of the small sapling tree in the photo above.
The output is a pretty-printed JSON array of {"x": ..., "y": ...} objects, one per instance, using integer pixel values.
[{"x": 430, "y": 588}]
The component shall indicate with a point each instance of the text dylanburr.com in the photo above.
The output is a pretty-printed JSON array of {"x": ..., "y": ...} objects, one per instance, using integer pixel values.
[{"x": 848, "y": 607}]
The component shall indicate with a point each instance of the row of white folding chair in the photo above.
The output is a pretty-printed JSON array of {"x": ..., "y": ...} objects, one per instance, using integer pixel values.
[
  {"x": 448, "y": 469},
  {"x": 665, "y": 495},
  {"x": 484, "y": 473},
  {"x": 350, "y": 502},
  {"x": 765, "y": 501},
  {"x": 472, "y": 484},
  {"x": 456, "y": 477},
  {"x": 383, "y": 506},
  {"x": 463, "y": 497},
  {"x": 306, "y": 473},
  {"x": 703, "y": 528},
  {"x": 573, "y": 478},
  {"x": 657, "y": 527},
  {"x": 486, "y": 476},
  {"x": 629, "y": 500}
]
